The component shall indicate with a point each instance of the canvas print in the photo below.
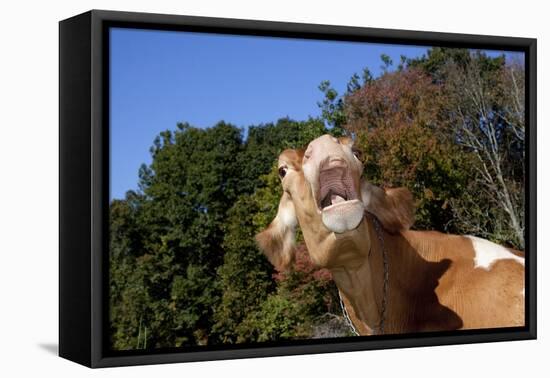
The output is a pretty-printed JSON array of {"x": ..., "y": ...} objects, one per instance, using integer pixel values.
[{"x": 268, "y": 190}]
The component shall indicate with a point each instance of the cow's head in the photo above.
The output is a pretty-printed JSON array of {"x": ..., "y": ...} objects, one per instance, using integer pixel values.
[{"x": 324, "y": 193}]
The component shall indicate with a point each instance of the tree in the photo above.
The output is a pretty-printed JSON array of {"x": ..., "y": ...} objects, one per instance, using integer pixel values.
[
  {"x": 332, "y": 107},
  {"x": 127, "y": 296},
  {"x": 399, "y": 124},
  {"x": 436, "y": 59},
  {"x": 251, "y": 297},
  {"x": 185, "y": 269},
  {"x": 166, "y": 240},
  {"x": 487, "y": 117},
  {"x": 245, "y": 275},
  {"x": 387, "y": 62},
  {"x": 266, "y": 141},
  {"x": 449, "y": 125}
]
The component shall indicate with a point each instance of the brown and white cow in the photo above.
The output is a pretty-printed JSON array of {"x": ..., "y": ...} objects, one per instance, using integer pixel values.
[{"x": 391, "y": 279}]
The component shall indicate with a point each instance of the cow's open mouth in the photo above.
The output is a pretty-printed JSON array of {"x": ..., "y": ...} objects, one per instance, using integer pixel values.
[
  {"x": 332, "y": 198},
  {"x": 335, "y": 186},
  {"x": 339, "y": 204}
]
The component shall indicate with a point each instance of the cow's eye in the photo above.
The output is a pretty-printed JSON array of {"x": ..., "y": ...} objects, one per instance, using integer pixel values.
[{"x": 282, "y": 172}]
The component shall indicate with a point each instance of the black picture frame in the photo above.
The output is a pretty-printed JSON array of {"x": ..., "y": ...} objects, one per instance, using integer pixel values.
[{"x": 84, "y": 186}]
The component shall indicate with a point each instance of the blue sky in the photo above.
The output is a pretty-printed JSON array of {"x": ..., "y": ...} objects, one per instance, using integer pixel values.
[{"x": 160, "y": 78}]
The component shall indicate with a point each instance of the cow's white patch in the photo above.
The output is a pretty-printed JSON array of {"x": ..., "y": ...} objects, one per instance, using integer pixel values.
[
  {"x": 487, "y": 253},
  {"x": 287, "y": 215}
]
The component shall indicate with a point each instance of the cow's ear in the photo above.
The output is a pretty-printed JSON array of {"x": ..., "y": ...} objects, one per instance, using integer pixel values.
[
  {"x": 394, "y": 208},
  {"x": 278, "y": 239}
]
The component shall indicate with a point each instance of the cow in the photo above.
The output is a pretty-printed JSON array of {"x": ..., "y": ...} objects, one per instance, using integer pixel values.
[{"x": 391, "y": 279}]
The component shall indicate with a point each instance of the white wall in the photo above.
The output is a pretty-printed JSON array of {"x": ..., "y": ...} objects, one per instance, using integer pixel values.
[{"x": 29, "y": 185}]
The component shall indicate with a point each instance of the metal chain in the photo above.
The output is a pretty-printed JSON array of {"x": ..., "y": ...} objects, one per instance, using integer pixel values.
[
  {"x": 346, "y": 315},
  {"x": 378, "y": 230}
]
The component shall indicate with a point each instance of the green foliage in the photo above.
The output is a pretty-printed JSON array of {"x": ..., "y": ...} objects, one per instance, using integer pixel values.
[
  {"x": 177, "y": 227},
  {"x": 265, "y": 142},
  {"x": 438, "y": 59},
  {"x": 304, "y": 295},
  {"x": 367, "y": 76},
  {"x": 185, "y": 269},
  {"x": 332, "y": 107},
  {"x": 245, "y": 274},
  {"x": 353, "y": 84},
  {"x": 279, "y": 318},
  {"x": 387, "y": 62}
]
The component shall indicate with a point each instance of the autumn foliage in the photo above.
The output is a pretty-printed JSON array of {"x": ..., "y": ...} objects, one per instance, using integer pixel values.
[{"x": 399, "y": 123}]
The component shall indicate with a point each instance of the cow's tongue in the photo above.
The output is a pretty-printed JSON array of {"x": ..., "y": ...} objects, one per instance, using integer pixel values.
[{"x": 335, "y": 198}]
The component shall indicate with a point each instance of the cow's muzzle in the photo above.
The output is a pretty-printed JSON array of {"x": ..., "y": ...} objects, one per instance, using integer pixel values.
[{"x": 339, "y": 203}]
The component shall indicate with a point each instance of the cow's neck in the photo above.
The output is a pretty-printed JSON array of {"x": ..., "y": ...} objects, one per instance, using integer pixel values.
[
  {"x": 361, "y": 283},
  {"x": 357, "y": 264},
  {"x": 411, "y": 282}
]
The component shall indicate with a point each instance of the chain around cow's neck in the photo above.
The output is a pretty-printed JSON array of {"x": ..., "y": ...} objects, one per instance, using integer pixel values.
[{"x": 378, "y": 230}]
